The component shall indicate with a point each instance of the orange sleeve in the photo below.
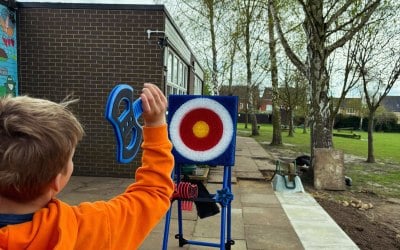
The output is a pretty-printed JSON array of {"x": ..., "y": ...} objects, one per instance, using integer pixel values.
[{"x": 131, "y": 216}]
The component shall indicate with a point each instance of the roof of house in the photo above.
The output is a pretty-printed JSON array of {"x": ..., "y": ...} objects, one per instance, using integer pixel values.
[
  {"x": 391, "y": 103},
  {"x": 239, "y": 90}
]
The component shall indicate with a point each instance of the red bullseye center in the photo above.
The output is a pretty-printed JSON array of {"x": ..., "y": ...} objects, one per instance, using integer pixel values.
[{"x": 206, "y": 142}]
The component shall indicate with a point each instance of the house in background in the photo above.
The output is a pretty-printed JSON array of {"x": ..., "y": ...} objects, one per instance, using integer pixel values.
[
  {"x": 241, "y": 92},
  {"x": 349, "y": 106},
  {"x": 392, "y": 104},
  {"x": 266, "y": 101},
  {"x": 353, "y": 106},
  {"x": 266, "y": 105},
  {"x": 85, "y": 50}
]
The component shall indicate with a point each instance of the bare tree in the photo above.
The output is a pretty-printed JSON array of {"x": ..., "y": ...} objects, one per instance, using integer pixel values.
[
  {"x": 326, "y": 27},
  {"x": 204, "y": 17},
  {"x": 378, "y": 63},
  {"x": 250, "y": 14},
  {"x": 350, "y": 79},
  {"x": 293, "y": 94},
  {"x": 276, "y": 113},
  {"x": 232, "y": 53},
  {"x": 210, "y": 15},
  {"x": 230, "y": 45}
]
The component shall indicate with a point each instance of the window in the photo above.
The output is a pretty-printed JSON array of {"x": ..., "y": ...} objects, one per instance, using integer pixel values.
[
  {"x": 170, "y": 66},
  {"x": 197, "y": 86},
  {"x": 269, "y": 108},
  {"x": 350, "y": 111},
  {"x": 177, "y": 75},
  {"x": 185, "y": 72},
  {"x": 179, "y": 79}
]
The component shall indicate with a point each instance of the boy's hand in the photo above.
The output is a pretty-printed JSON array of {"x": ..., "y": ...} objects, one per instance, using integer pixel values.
[{"x": 154, "y": 105}]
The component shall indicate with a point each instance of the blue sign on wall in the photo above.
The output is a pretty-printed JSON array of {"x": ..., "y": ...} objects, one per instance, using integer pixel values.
[{"x": 8, "y": 52}]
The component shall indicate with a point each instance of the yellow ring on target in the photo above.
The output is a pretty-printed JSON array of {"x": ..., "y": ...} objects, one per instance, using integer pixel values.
[{"x": 201, "y": 129}]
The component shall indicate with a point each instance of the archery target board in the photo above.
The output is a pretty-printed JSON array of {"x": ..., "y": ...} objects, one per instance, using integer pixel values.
[{"x": 203, "y": 128}]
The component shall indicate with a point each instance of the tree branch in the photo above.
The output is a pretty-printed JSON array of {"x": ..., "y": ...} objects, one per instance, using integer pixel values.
[
  {"x": 351, "y": 32},
  {"x": 288, "y": 50},
  {"x": 330, "y": 9},
  {"x": 339, "y": 12}
]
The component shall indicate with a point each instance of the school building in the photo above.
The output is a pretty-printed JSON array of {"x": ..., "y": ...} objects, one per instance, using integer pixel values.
[{"x": 84, "y": 50}]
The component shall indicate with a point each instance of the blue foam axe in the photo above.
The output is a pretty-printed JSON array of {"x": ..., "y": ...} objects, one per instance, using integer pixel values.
[{"x": 123, "y": 113}]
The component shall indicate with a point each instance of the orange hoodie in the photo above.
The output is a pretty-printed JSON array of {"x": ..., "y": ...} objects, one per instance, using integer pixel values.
[{"x": 121, "y": 223}]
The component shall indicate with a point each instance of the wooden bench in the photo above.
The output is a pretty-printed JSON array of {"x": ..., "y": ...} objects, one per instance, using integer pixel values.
[
  {"x": 353, "y": 136},
  {"x": 203, "y": 177},
  {"x": 284, "y": 127},
  {"x": 350, "y": 130}
]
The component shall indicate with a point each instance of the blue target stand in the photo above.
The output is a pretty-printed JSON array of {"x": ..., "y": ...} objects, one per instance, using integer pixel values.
[{"x": 203, "y": 131}]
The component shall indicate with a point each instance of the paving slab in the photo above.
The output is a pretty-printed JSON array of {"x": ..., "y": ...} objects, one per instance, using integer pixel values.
[
  {"x": 219, "y": 179},
  {"x": 250, "y": 186},
  {"x": 155, "y": 239},
  {"x": 210, "y": 227},
  {"x": 249, "y": 175},
  {"x": 261, "y": 218},
  {"x": 265, "y": 164},
  {"x": 88, "y": 188},
  {"x": 264, "y": 237},
  {"x": 216, "y": 175},
  {"x": 259, "y": 200},
  {"x": 313, "y": 225},
  {"x": 245, "y": 163},
  {"x": 268, "y": 216}
]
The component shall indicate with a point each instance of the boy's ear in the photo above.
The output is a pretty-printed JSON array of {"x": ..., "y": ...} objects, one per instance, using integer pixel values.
[{"x": 55, "y": 184}]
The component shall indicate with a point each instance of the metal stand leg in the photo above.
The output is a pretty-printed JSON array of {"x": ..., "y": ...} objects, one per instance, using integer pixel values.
[
  {"x": 166, "y": 228},
  {"x": 229, "y": 240},
  {"x": 224, "y": 197},
  {"x": 176, "y": 177}
]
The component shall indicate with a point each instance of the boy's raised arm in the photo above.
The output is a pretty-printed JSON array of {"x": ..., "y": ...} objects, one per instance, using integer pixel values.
[{"x": 132, "y": 215}]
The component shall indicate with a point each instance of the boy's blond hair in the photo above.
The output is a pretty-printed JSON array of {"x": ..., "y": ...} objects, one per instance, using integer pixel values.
[{"x": 37, "y": 137}]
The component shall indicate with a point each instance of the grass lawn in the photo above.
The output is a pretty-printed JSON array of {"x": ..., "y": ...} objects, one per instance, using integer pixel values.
[{"x": 382, "y": 177}]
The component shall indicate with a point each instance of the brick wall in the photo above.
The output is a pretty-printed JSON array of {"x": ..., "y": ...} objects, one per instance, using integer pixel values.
[{"x": 85, "y": 52}]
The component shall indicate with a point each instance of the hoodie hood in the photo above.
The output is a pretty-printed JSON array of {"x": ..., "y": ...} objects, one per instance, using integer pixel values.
[{"x": 44, "y": 231}]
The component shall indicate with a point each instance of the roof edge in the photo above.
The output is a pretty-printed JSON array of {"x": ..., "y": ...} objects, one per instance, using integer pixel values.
[{"x": 104, "y": 6}]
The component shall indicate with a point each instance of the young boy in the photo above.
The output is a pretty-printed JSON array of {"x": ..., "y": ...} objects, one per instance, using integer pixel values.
[{"x": 37, "y": 142}]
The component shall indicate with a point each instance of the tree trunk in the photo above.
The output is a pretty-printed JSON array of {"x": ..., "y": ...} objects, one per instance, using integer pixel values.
[
  {"x": 371, "y": 157},
  {"x": 319, "y": 79},
  {"x": 214, "y": 73},
  {"x": 254, "y": 126},
  {"x": 231, "y": 71},
  {"x": 291, "y": 123},
  {"x": 246, "y": 120},
  {"x": 276, "y": 114},
  {"x": 305, "y": 125},
  {"x": 253, "y": 118}
]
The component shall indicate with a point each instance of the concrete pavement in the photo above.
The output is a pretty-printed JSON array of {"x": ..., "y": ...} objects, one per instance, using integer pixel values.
[{"x": 261, "y": 217}]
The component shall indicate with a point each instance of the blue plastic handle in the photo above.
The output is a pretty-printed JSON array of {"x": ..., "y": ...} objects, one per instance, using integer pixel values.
[{"x": 123, "y": 114}]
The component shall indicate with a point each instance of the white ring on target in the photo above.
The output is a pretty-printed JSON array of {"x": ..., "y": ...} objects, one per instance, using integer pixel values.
[{"x": 215, "y": 151}]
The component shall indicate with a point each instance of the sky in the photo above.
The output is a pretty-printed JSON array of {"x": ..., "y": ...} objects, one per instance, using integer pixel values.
[{"x": 396, "y": 90}]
